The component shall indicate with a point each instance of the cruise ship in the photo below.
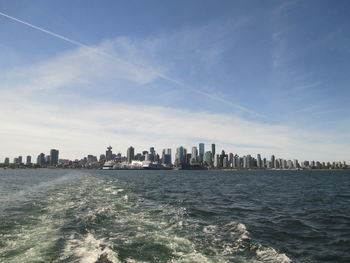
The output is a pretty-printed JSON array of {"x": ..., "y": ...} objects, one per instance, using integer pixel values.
[{"x": 108, "y": 165}]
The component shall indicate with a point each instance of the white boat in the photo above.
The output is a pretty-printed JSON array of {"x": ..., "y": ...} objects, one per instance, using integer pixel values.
[{"x": 108, "y": 165}]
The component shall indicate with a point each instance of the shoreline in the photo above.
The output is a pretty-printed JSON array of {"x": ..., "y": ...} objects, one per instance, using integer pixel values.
[{"x": 173, "y": 169}]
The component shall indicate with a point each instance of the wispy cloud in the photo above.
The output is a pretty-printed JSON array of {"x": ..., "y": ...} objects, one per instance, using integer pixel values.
[
  {"x": 87, "y": 126},
  {"x": 308, "y": 86},
  {"x": 56, "y": 102},
  {"x": 85, "y": 61}
]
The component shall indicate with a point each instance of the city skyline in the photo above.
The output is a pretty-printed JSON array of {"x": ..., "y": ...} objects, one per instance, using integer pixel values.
[
  {"x": 197, "y": 157},
  {"x": 79, "y": 76}
]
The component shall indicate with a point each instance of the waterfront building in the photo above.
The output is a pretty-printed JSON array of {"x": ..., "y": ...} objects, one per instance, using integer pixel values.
[
  {"x": 29, "y": 160},
  {"x": 166, "y": 156},
  {"x": 247, "y": 161},
  {"x": 284, "y": 164},
  {"x": 91, "y": 159},
  {"x": 276, "y": 164},
  {"x": 272, "y": 161},
  {"x": 53, "y": 157},
  {"x": 213, "y": 149},
  {"x": 230, "y": 159},
  {"x": 208, "y": 159},
  {"x": 15, "y": 160},
  {"x": 188, "y": 158},
  {"x": 47, "y": 159},
  {"x": 201, "y": 152},
  {"x": 201, "y": 148},
  {"x": 102, "y": 158},
  {"x": 130, "y": 154},
  {"x": 259, "y": 161},
  {"x": 41, "y": 159},
  {"x": 225, "y": 162},
  {"x": 148, "y": 157},
  {"x": 20, "y": 160},
  {"x": 109, "y": 154},
  {"x": 235, "y": 161},
  {"x": 296, "y": 163},
  {"x": 194, "y": 155},
  {"x": 157, "y": 158},
  {"x": 222, "y": 156},
  {"x": 180, "y": 156},
  {"x": 7, "y": 161},
  {"x": 217, "y": 163},
  {"x": 152, "y": 154},
  {"x": 139, "y": 157}
]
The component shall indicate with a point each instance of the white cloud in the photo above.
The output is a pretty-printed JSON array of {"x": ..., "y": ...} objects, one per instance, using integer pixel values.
[
  {"x": 88, "y": 127},
  {"x": 39, "y": 110}
]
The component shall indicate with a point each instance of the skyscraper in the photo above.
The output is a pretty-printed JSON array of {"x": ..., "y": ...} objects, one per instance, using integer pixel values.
[
  {"x": 53, "y": 157},
  {"x": 208, "y": 159},
  {"x": 213, "y": 149},
  {"x": 166, "y": 156},
  {"x": 29, "y": 160},
  {"x": 259, "y": 161},
  {"x": 201, "y": 149},
  {"x": 109, "y": 154},
  {"x": 180, "y": 157},
  {"x": 152, "y": 154},
  {"x": 7, "y": 161},
  {"x": 194, "y": 155},
  {"x": 130, "y": 154},
  {"x": 272, "y": 161},
  {"x": 41, "y": 159}
]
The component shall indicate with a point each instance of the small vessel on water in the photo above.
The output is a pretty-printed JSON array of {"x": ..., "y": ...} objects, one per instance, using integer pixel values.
[{"x": 108, "y": 165}]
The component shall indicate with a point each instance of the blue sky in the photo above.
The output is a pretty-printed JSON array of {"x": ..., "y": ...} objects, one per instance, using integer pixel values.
[{"x": 268, "y": 77}]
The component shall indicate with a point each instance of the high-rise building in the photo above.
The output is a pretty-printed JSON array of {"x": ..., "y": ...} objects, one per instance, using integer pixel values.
[
  {"x": 130, "y": 154},
  {"x": 272, "y": 161},
  {"x": 230, "y": 158},
  {"x": 152, "y": 154},
  {"x": 217, "y": 163},
  {"x": 102, "y": 158},
  {"x": 20, "y": 160},
  {"x": 247, "y": 161},
  {"x": 53, "y": 157},
  {"x": 166, "y": 156},
  {"x": 208, "y": 159},
  {"x": 41, "y": 159},
  {"x": 296, "y": 163},
  {"x": 259, "y": 161},
  {"x": 29, "y": 160},
  {"x": 48, "y": 159},
  {"x": 109, "y": 154},
  {"x": 201, "y": 149},
  {"x": 7, "y": 161},
  {"x": 213, "y": 149},
  {"x": 180, "y": 156},
  {"x": 222, "y": 156},
  {"x": 194, "y": 155}
]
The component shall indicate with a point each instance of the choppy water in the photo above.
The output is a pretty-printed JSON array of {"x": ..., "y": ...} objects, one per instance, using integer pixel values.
[{"x": 174, "y": 216}]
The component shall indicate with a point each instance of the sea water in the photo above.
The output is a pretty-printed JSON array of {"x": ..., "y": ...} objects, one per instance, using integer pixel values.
[{"x": 174, "y": 216}]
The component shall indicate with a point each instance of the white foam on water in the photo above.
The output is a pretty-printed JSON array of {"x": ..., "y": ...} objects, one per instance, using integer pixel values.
[
  {"x": 210, "y": 229},
  {"x": 115, "y": 192},
  {"x": 36, "y": 239},
  {"x": 88, "y": 250},
  {"x": 268, "y": 254}
]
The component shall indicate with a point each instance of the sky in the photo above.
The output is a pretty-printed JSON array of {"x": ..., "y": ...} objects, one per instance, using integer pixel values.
[{"x": 268, "y": 77}]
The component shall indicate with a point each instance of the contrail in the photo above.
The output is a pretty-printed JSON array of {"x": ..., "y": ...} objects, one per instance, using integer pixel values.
[
  {"x": 175, "y": 81},
  {"x": 45, "y": 31}
]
